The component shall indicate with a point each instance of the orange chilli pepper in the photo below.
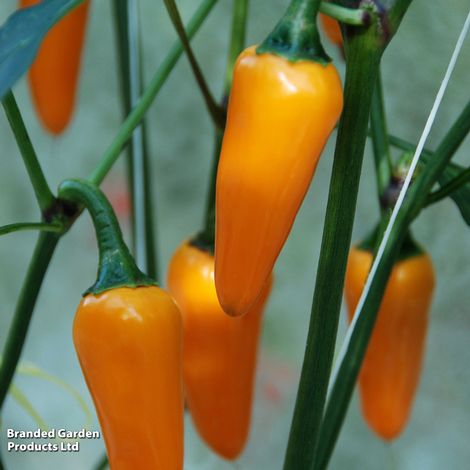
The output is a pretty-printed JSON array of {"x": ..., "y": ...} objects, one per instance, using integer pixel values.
[
  {"x": 128, "y": 337},
  {"x": 219, "y": 359},
  {"x": 280, "y": 115},
  {"x": 332, "y": 29},
  {"x": 392, "y": 365},
  {"x": 54, "y": 74}
]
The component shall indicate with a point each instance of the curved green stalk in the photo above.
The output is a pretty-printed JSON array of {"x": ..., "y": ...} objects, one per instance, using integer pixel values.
[
  {"x": 134, "y": 118},
  {"x": 43, "y": 193},
  {"x": 446, "y": 190},
  {"x": 102, "y": 463},
  {"x": 216, "y": 112},
  {"x": 382, "y": 157},
  {"x": 40, "y": 260},
  {"x": 19, "y": 227},
  {"x": 296, "y": 36},
  {"x": 361, "y": 70},
  {"x": 117, "y": 267}
]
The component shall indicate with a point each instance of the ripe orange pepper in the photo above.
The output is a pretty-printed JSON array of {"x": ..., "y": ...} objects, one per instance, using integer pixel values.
[
  {"x": 280, "y": 115},
  {"x": 53, "y": 76},
  {"x": 219, "y": 359},
  {"x": 332, "y": 29},
  {"x": 128, "y": 337},
  {"x": 128, "y": 341},
  {"x": 392, "y": 365}
]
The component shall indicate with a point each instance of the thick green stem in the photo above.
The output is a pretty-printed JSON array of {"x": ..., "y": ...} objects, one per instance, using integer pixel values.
[
  {"x": 117, "y": 267},
  {"x": 216, "y": 112},
  {"x": 296, "y": 36},
  {"x": 43, "y": 193},
  {"x": 143, "y": 104},
  {"x": 350, "y": 364},
  {"x": 24, "y": 309},
  {"x": 382, "y": 157},
  {"x": 361, "y": 70},
  {"x": 126, "y": 23}
]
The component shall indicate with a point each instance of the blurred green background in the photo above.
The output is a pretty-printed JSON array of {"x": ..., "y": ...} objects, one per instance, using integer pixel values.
[{"x": 181, "y": 139}]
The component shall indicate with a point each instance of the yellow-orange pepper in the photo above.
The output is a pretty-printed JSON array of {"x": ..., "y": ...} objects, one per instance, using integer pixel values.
[
  {"x": 54, "y": 74},
  {"x": 219, "y": 360},
  {"x": 332, "y": 29},
  {"x": 128, "y": 341},
  {"x": 280, "y": 114},
  {"x": 392, "y": 365}
]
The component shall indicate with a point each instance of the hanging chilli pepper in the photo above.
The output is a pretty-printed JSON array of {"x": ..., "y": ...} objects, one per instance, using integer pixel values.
[
  {"x": 392, "y": 365},
  {"x": 332, "y": 29},
  {"x": 285, "y": 100},
  {"x": 128, "y": 337},
  {"x": 54, "y": 74},
  {"x": 220, "y": 352}
]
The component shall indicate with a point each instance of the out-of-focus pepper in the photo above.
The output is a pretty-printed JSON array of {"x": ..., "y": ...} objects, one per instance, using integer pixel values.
[
  {"x": 53, "y": 77},
  {"x": 392, "y": 365},
  {"x": 332, "y": 29},
  {"x": 220, "y": 352},
  {"x": 280, "y": 115},
  {"x": 128, "y": 337}
]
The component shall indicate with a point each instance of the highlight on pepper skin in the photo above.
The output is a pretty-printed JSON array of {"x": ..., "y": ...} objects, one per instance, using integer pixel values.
[
  {"x": 280, "y": 115},
  {"x": 220, "y": 352}
]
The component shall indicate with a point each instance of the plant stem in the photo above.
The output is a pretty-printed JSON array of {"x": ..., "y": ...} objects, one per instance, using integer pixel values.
[
  {"x": 216, "y": 112},
  {"x": 57, "y": 228},
  {"x": 117, "y": 267},
  {"x": 350, "y": 365},
  {"x": 43, "y": 193},
  {"x": 141, "y": 107},
  {"x": 102, "y": 463},
  {"x": 361, "y": 70},
  {"x": 352, "y": 16},
  {"x": 40, "y": 260},
  {"x": 126, "y": 22},
  {"x": 446, "y": 190},
  {"x": 382, "y": 157},
  {"x": 295, "y": 36},
  {"x": 237, "y": 40}
]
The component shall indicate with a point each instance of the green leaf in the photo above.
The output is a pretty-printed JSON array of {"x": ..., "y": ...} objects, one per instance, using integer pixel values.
[
  {"x": 460, "y": 196},
  {"x": 21, "y": 36}
]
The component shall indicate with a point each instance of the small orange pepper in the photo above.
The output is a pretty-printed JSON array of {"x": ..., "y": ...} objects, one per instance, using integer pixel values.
[{"x": 392, "y": 365}]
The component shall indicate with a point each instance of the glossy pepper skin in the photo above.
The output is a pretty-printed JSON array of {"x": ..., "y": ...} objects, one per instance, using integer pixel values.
[
  {"x": 392, "y": 366},
  {"x": 220, "y": 352},
  {"x": 332, "y": 29},
  {"x": 280, "y": 115},
  {"x": 129, "y": 343},
  {"x": 54, "y": 74}
]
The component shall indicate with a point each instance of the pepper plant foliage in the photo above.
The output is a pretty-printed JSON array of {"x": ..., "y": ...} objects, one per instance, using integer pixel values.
[{"x": 317, "y": 418}]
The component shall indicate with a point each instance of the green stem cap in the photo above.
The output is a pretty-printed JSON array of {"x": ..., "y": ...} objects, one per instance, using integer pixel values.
[
  {"x": 296, "y": 36},
  {"x": 117, "y": 267}
]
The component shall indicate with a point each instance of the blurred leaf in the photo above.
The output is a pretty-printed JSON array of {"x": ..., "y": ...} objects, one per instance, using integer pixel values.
[
  {"x": 26, "y": 368},
  {"x": 461, "y": 196},
  {"x": 21, "y": 35},
  {"x": 23, "y": 401}
]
